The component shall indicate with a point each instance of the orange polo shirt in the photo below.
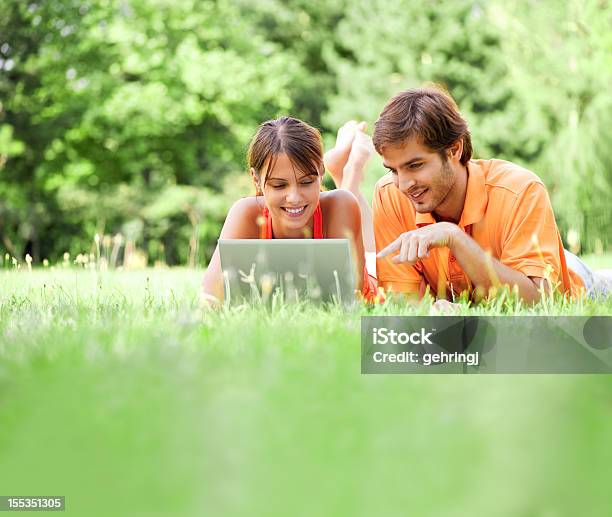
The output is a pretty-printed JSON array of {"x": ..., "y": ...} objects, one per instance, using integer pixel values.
[{"x": 507, "y": 212}]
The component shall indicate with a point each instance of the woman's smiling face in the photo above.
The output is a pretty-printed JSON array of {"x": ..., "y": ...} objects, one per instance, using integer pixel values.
[{"x": 291, "y": 196}]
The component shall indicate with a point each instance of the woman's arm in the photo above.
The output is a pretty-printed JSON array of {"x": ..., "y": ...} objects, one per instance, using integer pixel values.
[
  {"x": 240, "y": 223},
  {"x": 343, "y": 219}
]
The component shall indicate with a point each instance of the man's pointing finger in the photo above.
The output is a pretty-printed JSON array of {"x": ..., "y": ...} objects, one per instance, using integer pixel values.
[{"x": 394, "y": 246}]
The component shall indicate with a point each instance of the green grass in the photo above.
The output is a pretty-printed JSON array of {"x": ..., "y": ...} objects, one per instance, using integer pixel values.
[{"x": 118, "y": 392}]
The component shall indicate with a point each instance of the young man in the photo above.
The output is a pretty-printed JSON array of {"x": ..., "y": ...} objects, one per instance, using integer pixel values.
[{"x": 450, "y": 223}]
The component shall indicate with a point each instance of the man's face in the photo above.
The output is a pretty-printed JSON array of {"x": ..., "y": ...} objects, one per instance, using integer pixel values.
[{"x": 420, "y": 173}]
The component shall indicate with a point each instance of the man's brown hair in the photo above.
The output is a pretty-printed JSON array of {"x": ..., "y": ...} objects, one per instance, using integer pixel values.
[
  {"x": 430, "y": 114},
  {"x": 299, "y": 141}
]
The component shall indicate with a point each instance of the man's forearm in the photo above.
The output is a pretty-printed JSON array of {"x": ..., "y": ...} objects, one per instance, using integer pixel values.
[{"x": 485, "y": 272}]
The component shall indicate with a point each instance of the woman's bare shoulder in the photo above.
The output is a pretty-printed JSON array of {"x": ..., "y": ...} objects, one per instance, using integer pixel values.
[
  {"x": 243, "y": 219},
  {"x": 248, "y": 206},
  {"x": 340, "y": 210},
  {"x": 338, "y": 200}
]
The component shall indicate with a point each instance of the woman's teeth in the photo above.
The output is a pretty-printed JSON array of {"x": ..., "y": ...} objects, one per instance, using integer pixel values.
[{"x": 294, "y": 211}]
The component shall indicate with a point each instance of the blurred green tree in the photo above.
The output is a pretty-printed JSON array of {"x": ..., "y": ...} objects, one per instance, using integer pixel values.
[
  {"x": 142, "y": 93},
  {"x": 561, "y": 71},
  {"x": 388, "y": 47},
  {"x": 133, "y": 116}
]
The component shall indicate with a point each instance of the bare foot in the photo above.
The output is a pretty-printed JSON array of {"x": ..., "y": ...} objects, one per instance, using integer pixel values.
[
  {"x": 335, "y": 159},
  {"x": 361, "y": 152}
]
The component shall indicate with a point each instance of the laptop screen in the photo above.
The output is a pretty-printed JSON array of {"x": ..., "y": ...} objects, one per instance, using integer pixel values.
[{"x": 260, "y": 270}]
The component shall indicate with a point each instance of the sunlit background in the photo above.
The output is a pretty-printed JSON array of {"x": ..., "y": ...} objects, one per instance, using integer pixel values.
[{"x": 130, "y": 119}]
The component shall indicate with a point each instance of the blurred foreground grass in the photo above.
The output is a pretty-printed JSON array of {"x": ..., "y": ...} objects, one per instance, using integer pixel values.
[{"x": 118, "y": 392}]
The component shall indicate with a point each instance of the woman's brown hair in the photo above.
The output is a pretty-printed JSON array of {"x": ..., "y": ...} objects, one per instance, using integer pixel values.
[{"x": 299, "y": 141}]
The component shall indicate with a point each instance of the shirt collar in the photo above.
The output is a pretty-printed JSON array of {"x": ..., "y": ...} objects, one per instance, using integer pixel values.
[{"x": 475, "y": 200}]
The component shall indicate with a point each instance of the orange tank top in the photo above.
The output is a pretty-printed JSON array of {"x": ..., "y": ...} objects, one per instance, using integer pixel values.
[
  {"x": 369, "y": 289},
  {"x": 266, "y": 228}
]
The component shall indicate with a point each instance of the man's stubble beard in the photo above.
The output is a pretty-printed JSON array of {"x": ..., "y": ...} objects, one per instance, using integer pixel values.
[{"x": 445, "y": 183}]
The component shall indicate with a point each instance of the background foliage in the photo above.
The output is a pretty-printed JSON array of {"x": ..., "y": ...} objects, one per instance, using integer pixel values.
[{"x": 133, "y": 117}]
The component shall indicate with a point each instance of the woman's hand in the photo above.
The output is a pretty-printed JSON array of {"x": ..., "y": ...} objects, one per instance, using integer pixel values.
[{"x": 208, "y": 301}]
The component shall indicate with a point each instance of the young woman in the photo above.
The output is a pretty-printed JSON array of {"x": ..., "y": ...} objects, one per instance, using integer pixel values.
[{"x": 287, "y": 164}]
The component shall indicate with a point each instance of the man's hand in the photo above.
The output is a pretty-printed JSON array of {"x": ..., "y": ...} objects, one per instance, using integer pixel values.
[
  {"x": 446, "y": 308},
  {"x": 483, "y": 270},
  {"x": 415, "y": 244}
]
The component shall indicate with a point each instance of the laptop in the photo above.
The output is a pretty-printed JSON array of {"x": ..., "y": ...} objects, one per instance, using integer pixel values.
[{"x": 290, "y": 270}]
